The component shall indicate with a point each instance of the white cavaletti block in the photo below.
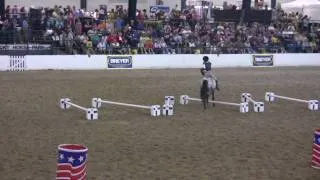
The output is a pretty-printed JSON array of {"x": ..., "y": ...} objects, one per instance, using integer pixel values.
[
  {"x": 245, "y": 97},
  {"x": 169, "y": 100},
  {"x": 167, "y": 110},
  {"x": 313, "y": 105},
  {"x": 269, "y": 97},
  {"x": 96, "y": 102},
  {"x": 155, "y": 110},
  {"x": 184, "y": 99},
  {"x": 244, "y": 107},
  {"x": 258, "y": 107},
  {"x": 92, "y": 114},
  {"x": 65, "y": 103}
]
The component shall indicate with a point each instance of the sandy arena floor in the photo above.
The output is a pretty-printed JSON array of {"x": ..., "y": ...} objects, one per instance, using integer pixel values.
[{"x": 128, "y": 144}]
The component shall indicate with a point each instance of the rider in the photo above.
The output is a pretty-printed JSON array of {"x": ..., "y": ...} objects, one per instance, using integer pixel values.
[{"x": 206, "y": 70}]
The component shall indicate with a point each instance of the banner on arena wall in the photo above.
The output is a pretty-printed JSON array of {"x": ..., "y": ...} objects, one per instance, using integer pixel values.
[
  {"x": 119, "y": 62},
  {"x": 154, "y": 9},
  {"x": 262, "y": 60},
  {"x": 23, "y": 49},
  {"x": 32, "y": 47}
]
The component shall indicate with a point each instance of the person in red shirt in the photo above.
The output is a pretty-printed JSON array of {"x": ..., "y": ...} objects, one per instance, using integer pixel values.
[
  {"x": 113, "y": 41},
  {"x": 120, "y": 38}
]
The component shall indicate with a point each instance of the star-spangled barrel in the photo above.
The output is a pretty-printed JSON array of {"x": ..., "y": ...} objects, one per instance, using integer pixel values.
[
  {"x": 72, "y": 162},
  {"x": 315, "y": 163}
]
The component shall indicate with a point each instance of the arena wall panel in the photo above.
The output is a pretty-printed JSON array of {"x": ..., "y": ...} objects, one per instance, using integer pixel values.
[{"x": 100, "y": 62}]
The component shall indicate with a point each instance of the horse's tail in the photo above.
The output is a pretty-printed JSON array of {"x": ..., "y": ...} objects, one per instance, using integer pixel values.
[{"x": 204, "y": 89}]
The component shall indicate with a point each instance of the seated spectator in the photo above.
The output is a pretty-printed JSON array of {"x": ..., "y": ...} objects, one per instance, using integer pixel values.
[
  {"x": 119, "y": 24},
  {"x": 56, "y": 39},
  {"x": 125, "y": 47},
  {"x": 113, "y": 41},
  {"x": 148, "y": 45},
  {"x": 157, "y": 46},
  {"x": 164, "y": 46},
  {"x": 89, "y": 46},
  {"x": 139, "y": 26},
  {"x": 101, "y": 47},
  {"x": 141, "y": 44}
]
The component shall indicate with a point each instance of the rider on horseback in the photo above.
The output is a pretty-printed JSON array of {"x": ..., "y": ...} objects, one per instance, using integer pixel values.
[{"x": 207, "y": 72}]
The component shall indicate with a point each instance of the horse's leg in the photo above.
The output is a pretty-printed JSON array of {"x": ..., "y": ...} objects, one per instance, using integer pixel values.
[
  {"x": 203, "y": 98},
  {"x": 204, "y": 101},
  {"x": 207, "y": 101},
  {"x": 213, "y": 98}
]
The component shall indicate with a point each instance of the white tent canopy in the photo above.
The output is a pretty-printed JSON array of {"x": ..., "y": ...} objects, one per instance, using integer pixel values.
[{"x": 306, "y": 7}]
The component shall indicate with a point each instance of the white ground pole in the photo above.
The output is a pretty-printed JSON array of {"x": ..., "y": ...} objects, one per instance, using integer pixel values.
[
  {"x": 244, "y": 108},
  {"x": 257, "y": 106},
  {"x": 91, "y": 113},
  {"x": 155, "y": 110},
  {"x": 312, "y": 105}
]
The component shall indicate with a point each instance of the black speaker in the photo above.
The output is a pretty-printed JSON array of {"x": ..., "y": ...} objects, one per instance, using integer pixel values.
[
  {"x": 183, "y": 4},
  {"x": 246, "y": 4},
  {"x": 35, "y": 14},
  {"x": 83, "y": 4},
  {"x": 132, "y": 8},
  {"x": 2, "y": 8},
  {"x": 273, "y": 4}
]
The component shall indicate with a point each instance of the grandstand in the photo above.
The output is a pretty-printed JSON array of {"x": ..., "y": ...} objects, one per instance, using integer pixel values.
[{"x": 67, "y": 29}]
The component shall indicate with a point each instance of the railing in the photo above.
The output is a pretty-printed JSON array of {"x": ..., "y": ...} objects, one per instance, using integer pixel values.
[
  {"x": 35, "y": 42},
  {"x": 43, "y": 49}
]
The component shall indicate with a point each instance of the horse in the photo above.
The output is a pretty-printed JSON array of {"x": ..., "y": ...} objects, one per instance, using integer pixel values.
[{"x": 207, "y": 88}]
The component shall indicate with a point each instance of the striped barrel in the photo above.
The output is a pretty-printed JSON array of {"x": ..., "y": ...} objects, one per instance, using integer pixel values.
[{"x": 315, "y": 162}]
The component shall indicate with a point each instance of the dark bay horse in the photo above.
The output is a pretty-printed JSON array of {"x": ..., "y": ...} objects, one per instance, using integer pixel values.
[{"x": 206, "y": 90}]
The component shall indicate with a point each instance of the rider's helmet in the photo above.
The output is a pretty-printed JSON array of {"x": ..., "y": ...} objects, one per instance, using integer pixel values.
[{"x": 205, "y": 58}]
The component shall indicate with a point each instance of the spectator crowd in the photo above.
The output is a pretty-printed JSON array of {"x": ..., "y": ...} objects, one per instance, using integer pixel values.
[{"x": 75, "y": 31}]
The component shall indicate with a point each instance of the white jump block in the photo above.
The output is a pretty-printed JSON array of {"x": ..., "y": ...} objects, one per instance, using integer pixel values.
[
  {"x": 312, "y": 105},
  {"x": 91, "y": 113},
  {"x": 65, "y": 103},
  {"x": 167, "y": 110},
  {"x": 155, "y": 110},
  {"x": 245, "y": 97},
  {"x": 243, "y": 107},
  {"x": 269, "y": 97},
  {"x": 257, "y": 106},
  {"x": 169, "y": 100},
  {"x": 184, "y": 99},
  {"x": 96, "y": 102}
]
